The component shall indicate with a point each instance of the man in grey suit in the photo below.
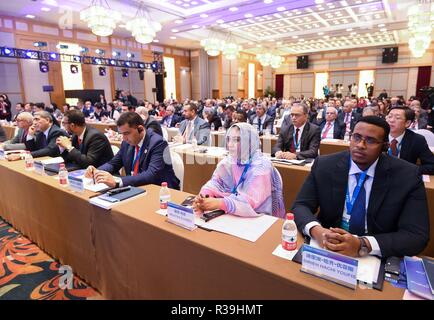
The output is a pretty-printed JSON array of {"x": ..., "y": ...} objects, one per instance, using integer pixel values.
[
  {"x": 193, "y": 126},
  {"x": 24, "y": 122},
  {"x": 300, "y": 140}
]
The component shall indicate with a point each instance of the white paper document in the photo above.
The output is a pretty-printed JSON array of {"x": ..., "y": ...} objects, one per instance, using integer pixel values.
[
  {"x": 250, "y": 229},
  {"x": 52, "y": 161},
  {"x": 285, "y": 254},
  {"x": 288, "y": 161},
  {"x": 368, "y": 268},
  {"x": 426, "y": 178},
  {"x": 88, "y": 185}
]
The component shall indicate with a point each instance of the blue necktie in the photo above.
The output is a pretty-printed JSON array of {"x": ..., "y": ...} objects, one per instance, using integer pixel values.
[
  {"x": 357, "y": 219},
  {"x": 259, "y": 124}
]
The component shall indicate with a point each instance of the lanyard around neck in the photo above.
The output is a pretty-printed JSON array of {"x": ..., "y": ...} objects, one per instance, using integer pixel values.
[
  {"x": 296, "y": 143},
  {"x": 242, "y": 178},
  {"x": 350, "y": 202}
]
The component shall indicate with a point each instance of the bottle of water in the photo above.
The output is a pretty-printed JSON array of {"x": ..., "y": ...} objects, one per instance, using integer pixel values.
[
  {"x": 28, "y": 159},
  {"x": 289, "y": 233},
  {"x": 347, "y": 136},
  {"x": 212, "y": 126},
  {"x": 164, "y": 196},
  {"x": 63, "y": 175}
]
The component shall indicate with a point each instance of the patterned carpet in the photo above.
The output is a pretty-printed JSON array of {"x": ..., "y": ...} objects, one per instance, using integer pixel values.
[{"x": 28, "y": 273}]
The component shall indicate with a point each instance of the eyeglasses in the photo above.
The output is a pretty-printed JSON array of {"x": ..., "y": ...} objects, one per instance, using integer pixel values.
[
  {"x": 233, "y": 139},
  {"x": 391, "y": 116},
  {"x": 368, "y": 140}
]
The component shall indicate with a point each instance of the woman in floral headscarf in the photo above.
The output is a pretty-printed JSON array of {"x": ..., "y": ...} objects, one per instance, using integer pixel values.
[{"x": 244, "y": 183}]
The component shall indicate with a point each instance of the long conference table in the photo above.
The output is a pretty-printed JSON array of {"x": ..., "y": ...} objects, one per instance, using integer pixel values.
[
  {"x": 131, "y": 252},
  {"x": 199, "y": 167}
]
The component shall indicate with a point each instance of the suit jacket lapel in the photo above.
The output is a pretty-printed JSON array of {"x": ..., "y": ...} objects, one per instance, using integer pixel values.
[
  {"x": 379, "y": 189},
  {"x": 304, "y": 136},
  {"x": 129, "y": 160},
  {"x": 405, "y": 145},
  {"x": 340, "y": 185}
]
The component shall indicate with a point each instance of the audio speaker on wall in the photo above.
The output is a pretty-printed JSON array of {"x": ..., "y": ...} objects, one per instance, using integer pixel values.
[
  {"x": 302, "y": 62},
  {"x": 390, "y": 55}
]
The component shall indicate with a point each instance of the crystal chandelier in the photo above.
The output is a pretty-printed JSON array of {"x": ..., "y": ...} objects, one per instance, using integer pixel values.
[
  {"x": 276, "y": 61},
  {"x": 100, "y": 19},
  {"x": 142, "y": 27},
  {"x": 264, "y": 58},
  {"x": 420, "y": 25},
  {"x": 231, "y": 50},
  {"x": 213, "y": 46}
]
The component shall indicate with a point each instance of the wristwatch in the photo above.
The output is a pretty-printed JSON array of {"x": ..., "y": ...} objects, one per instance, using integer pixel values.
[{"x": 363, "y": 249}]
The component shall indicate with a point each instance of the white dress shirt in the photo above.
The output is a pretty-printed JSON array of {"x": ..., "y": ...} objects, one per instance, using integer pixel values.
[
  {"x": 118, "y": 179},
  {"x": 330, "y": 133},
  {"x": 352, "y": 183}
]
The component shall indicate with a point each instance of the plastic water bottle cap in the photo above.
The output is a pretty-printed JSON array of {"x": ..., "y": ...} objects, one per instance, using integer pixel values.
[
  {"x": 164, "y": 184},
  {"x": 290, "y": 216}
]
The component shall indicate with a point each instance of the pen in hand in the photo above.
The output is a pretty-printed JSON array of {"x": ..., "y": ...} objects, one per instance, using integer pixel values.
[{"x": 93, "y": 175}]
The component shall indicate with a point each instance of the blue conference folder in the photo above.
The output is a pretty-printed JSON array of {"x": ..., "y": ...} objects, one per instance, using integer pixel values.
[{"x": 417, "y": 281}]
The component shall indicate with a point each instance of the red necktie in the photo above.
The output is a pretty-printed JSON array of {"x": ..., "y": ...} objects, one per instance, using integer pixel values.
[
  {"x": 136, "y": 165},
  {"x": 79, "y": 142},
  {"x": 393, "y": 144},
  {"x": 326, "y": 131}
]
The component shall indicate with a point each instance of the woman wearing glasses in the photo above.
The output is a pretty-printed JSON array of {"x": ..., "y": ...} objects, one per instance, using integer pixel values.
[{"x": 244, "y": 183}]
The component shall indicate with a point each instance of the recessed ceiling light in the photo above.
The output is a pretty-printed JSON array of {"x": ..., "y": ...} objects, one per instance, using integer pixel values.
[
  {"x": 233, "y": 9},
  {"x": 319, "y": 1},
  {"x": 250, "y": 43},
  {"x": 350, "y": 29},
  {"x": 178, "y": 21},
  {"x": 294, "y": 37},
  {"x": 195, "y": 26},
  {"x": 194, "y": 3},
  {"x": 155, "y": 40},
  {"x": 175, "y": 30},
  {"x": 320, "y": 33},
  {"x": 30, "y": 16},
  {"x": 281, "y": 9},
  {"x": 45, "y": 9},
  {"x": 122, "y": 26},
  {"x": 248, "y": 15},
  {"x": 220, "y": 21},
  {"x": 186, "y": 5},
  {"x": 204, "y": 15},
  {"x": 381, "y": 25},
  {"x": 178, "y": 2},
  {"x": 172, "y": 37},
  {"x": 268, "y": 1}
]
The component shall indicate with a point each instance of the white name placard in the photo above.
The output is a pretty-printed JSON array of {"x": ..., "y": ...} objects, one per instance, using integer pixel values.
[
  {"x": 76, "y": 184},
  {"x": 181, "y": 216},
  {"x": 330, "y": 266}
]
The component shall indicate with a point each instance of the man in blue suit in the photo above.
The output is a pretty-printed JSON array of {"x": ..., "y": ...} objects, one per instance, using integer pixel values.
[{"x": 142, "y": 155}]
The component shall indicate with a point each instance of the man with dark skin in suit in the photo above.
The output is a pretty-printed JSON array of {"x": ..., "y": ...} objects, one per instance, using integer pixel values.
[{"x": 363, "y": 154}]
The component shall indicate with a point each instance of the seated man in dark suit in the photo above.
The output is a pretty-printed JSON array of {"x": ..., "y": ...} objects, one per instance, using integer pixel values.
[
  {"x": 99, "y": 113},
  {"x": 348, "y": 117},
  {"x": 193, "y": 127},
  {"x": 262, "y": 121},
  {"x": 88, "y": 145},
  {"x": 149, "y": 121},
  {"x": 170, "y": 119},
  {"x": 368, "y": 201},
  {"x": 299, "y": 140},
  {"x": 330, "y": 127},
  {"x": 406, "y": 144},
  {"x": 142, "y": 155},
  {"x": 212, "y": 118},
  {"x": 24, "y": 122},
  {"x": 420, "y": 116},
  {"x": 42, "y": 136}
]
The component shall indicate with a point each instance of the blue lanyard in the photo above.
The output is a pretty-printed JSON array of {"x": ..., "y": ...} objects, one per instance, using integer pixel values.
[
  {"x": 137, "y": 157},
  {"x": 242, "y": 178},
  {"x": 398, "y": 150},
  {"x": 350, "y": 202},
  {"x": 296, "y": 145}
]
